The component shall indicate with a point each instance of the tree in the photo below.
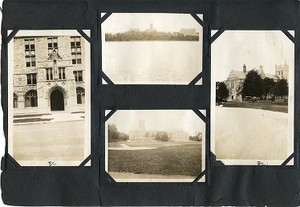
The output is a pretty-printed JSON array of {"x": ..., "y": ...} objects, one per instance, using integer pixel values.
[
  {"x": 197, "y": 137},
  {"x": 253, "y": 84},
  {"x": 114, "y": 135},
  {"x": 281, "y": 88},
  {"x": 162, "y": 136},
  {"x": 222, "y": 91},
  {"x": 123, "y": 137},
  {"x": 269, "y": 85}
]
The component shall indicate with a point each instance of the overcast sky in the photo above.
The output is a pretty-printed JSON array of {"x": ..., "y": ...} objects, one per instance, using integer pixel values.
[
  {"x": 120, "y": 22},
  {"x": 253, "y": 48},
  {"x": 185, "y": 120}
]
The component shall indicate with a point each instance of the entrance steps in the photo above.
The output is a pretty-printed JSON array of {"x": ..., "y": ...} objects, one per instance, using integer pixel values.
[
  {"x": 65, "y": 116},
  {"x": 50, "y": 117}
]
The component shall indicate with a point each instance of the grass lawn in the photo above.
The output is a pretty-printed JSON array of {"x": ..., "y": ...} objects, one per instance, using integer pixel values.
[
  {"x": 264, "y": 104},
  {"x": 167, "y": 159}
]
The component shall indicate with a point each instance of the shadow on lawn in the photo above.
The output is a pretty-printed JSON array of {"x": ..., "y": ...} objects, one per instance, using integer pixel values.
[{"x": 263, "y": 104}]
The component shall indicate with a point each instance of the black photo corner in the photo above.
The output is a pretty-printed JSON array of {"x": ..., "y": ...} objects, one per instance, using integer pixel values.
[{"x": 67, "y": 63}]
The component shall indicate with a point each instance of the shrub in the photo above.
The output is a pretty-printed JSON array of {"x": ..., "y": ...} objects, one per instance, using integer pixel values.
[
  {"x": 162, "y": 136},
  {"x": 197, "y": 137},
  {"x": 114, "y": 135}
]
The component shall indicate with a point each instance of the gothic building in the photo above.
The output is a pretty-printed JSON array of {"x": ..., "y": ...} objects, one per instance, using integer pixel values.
[
  {"x": 236, "y": 79},
  {"x": 142, "y": 134},
  {"x": 49, "y": 74}
]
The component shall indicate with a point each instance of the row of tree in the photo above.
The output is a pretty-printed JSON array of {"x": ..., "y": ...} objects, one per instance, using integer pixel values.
[
  {"x": 255, "y": 86},
  {"x": 140, "y": 36},
  {"x": 114, "y": 135},
  {"x": 197, "y": 137}
]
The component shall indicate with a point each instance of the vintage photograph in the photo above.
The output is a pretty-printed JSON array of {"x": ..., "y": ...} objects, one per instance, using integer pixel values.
[
  {"x": 151, "y": 48},
  {"x": 49, "y": 98},
  {"x": 253, "y": 97},
  {"x": 155, "y": 146}
]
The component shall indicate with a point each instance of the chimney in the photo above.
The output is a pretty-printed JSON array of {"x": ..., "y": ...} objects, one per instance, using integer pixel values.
[{"x": 244, "y": 68}]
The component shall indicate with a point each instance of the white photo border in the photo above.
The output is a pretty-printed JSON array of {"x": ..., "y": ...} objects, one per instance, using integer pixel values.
[
  {"x": 87, "y": 120},
  {"x": 291, "y": 107}
]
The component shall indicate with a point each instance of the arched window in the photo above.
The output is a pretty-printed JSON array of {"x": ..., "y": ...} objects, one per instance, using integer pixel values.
[
  {"x": 80, "y": 95},
  {"x": 31, "y": 99},
  {"x": 15, "y": 102}
]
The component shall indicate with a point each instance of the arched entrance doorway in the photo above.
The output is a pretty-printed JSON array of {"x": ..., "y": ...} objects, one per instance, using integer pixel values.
[{"x": 57, "y": 100}]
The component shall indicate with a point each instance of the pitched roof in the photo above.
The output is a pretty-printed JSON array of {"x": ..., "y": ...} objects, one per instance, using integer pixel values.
[
  {"x": 272, "y": 76},
  {"x": 235, "y": 74}
]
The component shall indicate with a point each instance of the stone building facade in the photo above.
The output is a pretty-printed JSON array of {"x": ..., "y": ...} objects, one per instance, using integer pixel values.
[
  {"x": 49, "y": 74},
  {"x": 234, "y": 82}
]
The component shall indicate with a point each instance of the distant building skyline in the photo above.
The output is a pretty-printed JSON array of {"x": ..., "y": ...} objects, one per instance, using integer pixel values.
[
  {"x": 121, "y": 22},
  {"x": 141, "y": 133},
  {"x": 157, "y": 120},
  {"x": 151, "y": 28},
  {"x": 152, "y": 34}
]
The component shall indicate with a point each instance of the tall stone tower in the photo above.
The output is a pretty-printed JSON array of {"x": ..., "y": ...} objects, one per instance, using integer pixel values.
[
  {"x": 151, "y": 26},
  {"x": 244, "y": 68},
  {"x": 142, "y": 125},
  {"x": 282, "y": 71}
]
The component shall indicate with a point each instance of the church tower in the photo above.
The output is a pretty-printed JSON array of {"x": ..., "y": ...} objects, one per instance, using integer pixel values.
[
  {"x": 142, "y": 125},
  {"x": 244, "y": 68}
]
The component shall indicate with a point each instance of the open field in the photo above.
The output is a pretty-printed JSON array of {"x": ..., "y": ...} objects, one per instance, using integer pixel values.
[
  {"x": 162, "y": 158},
  {"x": 245, "y": 133},
  {"x": 49, "y": 141},
  {"x": 278, "y": 106}
]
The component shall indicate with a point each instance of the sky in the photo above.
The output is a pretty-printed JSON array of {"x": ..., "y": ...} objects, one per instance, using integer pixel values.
[
  {"x": 233, "y": 49},
  {"x": 176, "y": 120},
  {"x": 121, "y": 22}
]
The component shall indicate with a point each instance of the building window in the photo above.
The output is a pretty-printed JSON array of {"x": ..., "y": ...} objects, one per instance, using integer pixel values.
[
  {"x": 80, "y": 95},
  {"x": 78, "y": 76},
  {"x": 31, "y": 99},
  {"x": 31, "y": 79},
  {"x": 61, "y": 73},
  {"x": 76, "y": 50},
  {"x": 15, "y": 101},
  {"x": 29, "y": 52},
  {"x": 52, "y": 44},
  {"x": 49, "y": 74}
]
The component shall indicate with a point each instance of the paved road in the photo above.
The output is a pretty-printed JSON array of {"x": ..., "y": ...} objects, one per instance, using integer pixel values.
[
  {"x": 49, "y": 141},
  {"x": 256, "y": 134}
]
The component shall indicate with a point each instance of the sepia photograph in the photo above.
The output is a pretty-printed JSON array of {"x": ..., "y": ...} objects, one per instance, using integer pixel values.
[
  {"x": 252, "y": 98},
  {"x": 49, "y": 98},
  {"x": 155, "y": 146},
  {"x": 151, "y": 48}
]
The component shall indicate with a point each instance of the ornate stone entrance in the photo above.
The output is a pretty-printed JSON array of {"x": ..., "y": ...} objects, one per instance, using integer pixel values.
[{"x": 57, "y": 100}]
